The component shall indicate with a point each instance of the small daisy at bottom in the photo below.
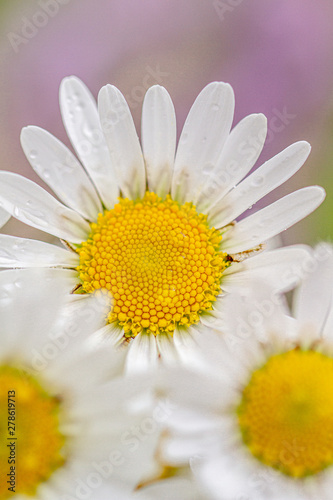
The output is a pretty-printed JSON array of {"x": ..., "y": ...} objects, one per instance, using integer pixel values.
[
  {"x": 68, "y": 414},
  {"x": 154, "y": 226}
]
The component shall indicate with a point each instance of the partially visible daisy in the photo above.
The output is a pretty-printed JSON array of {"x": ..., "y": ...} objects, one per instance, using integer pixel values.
[
  {"x": 67, "y": 413},
  {"x": 260, "y": 422},
  {"x": 153, "y": 227}
]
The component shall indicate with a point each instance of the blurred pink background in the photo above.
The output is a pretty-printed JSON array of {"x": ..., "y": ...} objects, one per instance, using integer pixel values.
[{"x": 277, "y": 55}]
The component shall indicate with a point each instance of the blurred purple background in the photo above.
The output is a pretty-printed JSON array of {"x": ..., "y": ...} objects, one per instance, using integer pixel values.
[{"x": 277, "y": 55}]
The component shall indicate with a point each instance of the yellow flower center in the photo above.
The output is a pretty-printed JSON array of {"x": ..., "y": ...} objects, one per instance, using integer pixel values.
[
  {"x": 286, "y": 413},
  {"x": 30, "y": 441},
  {"x": 160, "y": 261}
]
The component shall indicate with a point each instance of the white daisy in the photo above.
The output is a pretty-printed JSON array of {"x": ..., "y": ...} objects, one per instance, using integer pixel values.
[
  {"x": 260, "y": 425},
  {"x": 153, "y": 227},
  {"x": 68, "y": 416}
]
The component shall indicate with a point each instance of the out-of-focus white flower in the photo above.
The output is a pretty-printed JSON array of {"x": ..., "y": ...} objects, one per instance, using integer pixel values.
[
  {"x": 259, "y": 423},
  {"x": 72, "y": 423}
]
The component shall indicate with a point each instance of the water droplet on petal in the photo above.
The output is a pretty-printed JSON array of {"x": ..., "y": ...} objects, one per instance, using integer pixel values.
[
  {"x": 16, "y": 212},
  {"x": 33, "y": 154},
  {"x": 112, "y": 117},
  {"x": 80, "y": 105},
  {"x": 215, "y": 107},
  {"x": 208, "y": 168},
  {"x": 184, "y": 138},
  {"x": 257, "y": 181}
]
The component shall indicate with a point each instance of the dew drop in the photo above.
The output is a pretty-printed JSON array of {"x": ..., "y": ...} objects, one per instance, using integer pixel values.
[
  {"x": 16, "y": 212},
  {"x": 215, "y": 107},
  {"x": 112, "y": 117},
  {"x": 4, "y": 294},
  {"x": 208, "y": 168},
  {"x": 257, "y": 181},
  {"x": 265, "y": 222},
  {"x": 80, "y": 105},
  {"x": 33, "y": 154},
  {"x": 62, "y": 168},
  {"x": 184, "y": 138}
]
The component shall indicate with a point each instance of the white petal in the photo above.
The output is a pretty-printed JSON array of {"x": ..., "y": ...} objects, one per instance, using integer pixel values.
[
  {"x": 187, "y": 347},
  {"x": 240, "y": 152},
  {"x": 167, "y": 348},
  {"x": 26, "y": 297},
  {"x": 313, "y": 300},
  {"x": 81, "y": 120},
  {"x": 123, "y": 142},
  {"x": 202, "y": 139},
  {"x": 31, "y": 204},
  {"x": 110, "y": 334},
  {"x": 327, "y": 331},
  {"x": 4, "y": 217},
  {"x": 225, "y": 479},
  {"x": 73, "y": 335},
  {"x": 142, "y": 353},
  {"x": 281, "y": 267},
  {"x": 158, "y": 136},
  {"x": 273, "y": 219},
  {"x": 22, "y": 252},
  {"x": 58, "y": 167},
  {"x": 269, "y": 176}
]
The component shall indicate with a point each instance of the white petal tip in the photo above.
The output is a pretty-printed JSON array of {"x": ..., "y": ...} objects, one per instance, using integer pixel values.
[
  {"x": 70, "y": 79},
  {"x": 320, "y": 191},
  {"x": 108, "y": 89},
  {"x": 260, "y": 117},
  {"x": 28, "y": 130},
  {"x": 305, "y": 146}
]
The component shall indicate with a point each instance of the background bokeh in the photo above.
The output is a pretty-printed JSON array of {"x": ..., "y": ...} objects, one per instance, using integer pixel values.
[{"x": 278, "y": 56}]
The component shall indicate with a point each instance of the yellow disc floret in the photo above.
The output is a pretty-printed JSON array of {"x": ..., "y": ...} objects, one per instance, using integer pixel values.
[
  {"x": 159, "y": 260},
  {"x": 286, "y": 413},
  {"x": 31, "y": 445}
]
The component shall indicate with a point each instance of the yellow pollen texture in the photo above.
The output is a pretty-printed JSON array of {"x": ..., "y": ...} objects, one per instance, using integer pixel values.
[
  {"x": 159, "y": 260},
  {"x": 286, "y": 413},
  {"x": 34, "y": 421}
]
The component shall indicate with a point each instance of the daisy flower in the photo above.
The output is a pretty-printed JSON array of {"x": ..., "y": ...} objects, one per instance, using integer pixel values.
[
  {"x": 66, "y": 410},
  {"x": 154, "y": 227},
  {"x": 259, "y": 425}
]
